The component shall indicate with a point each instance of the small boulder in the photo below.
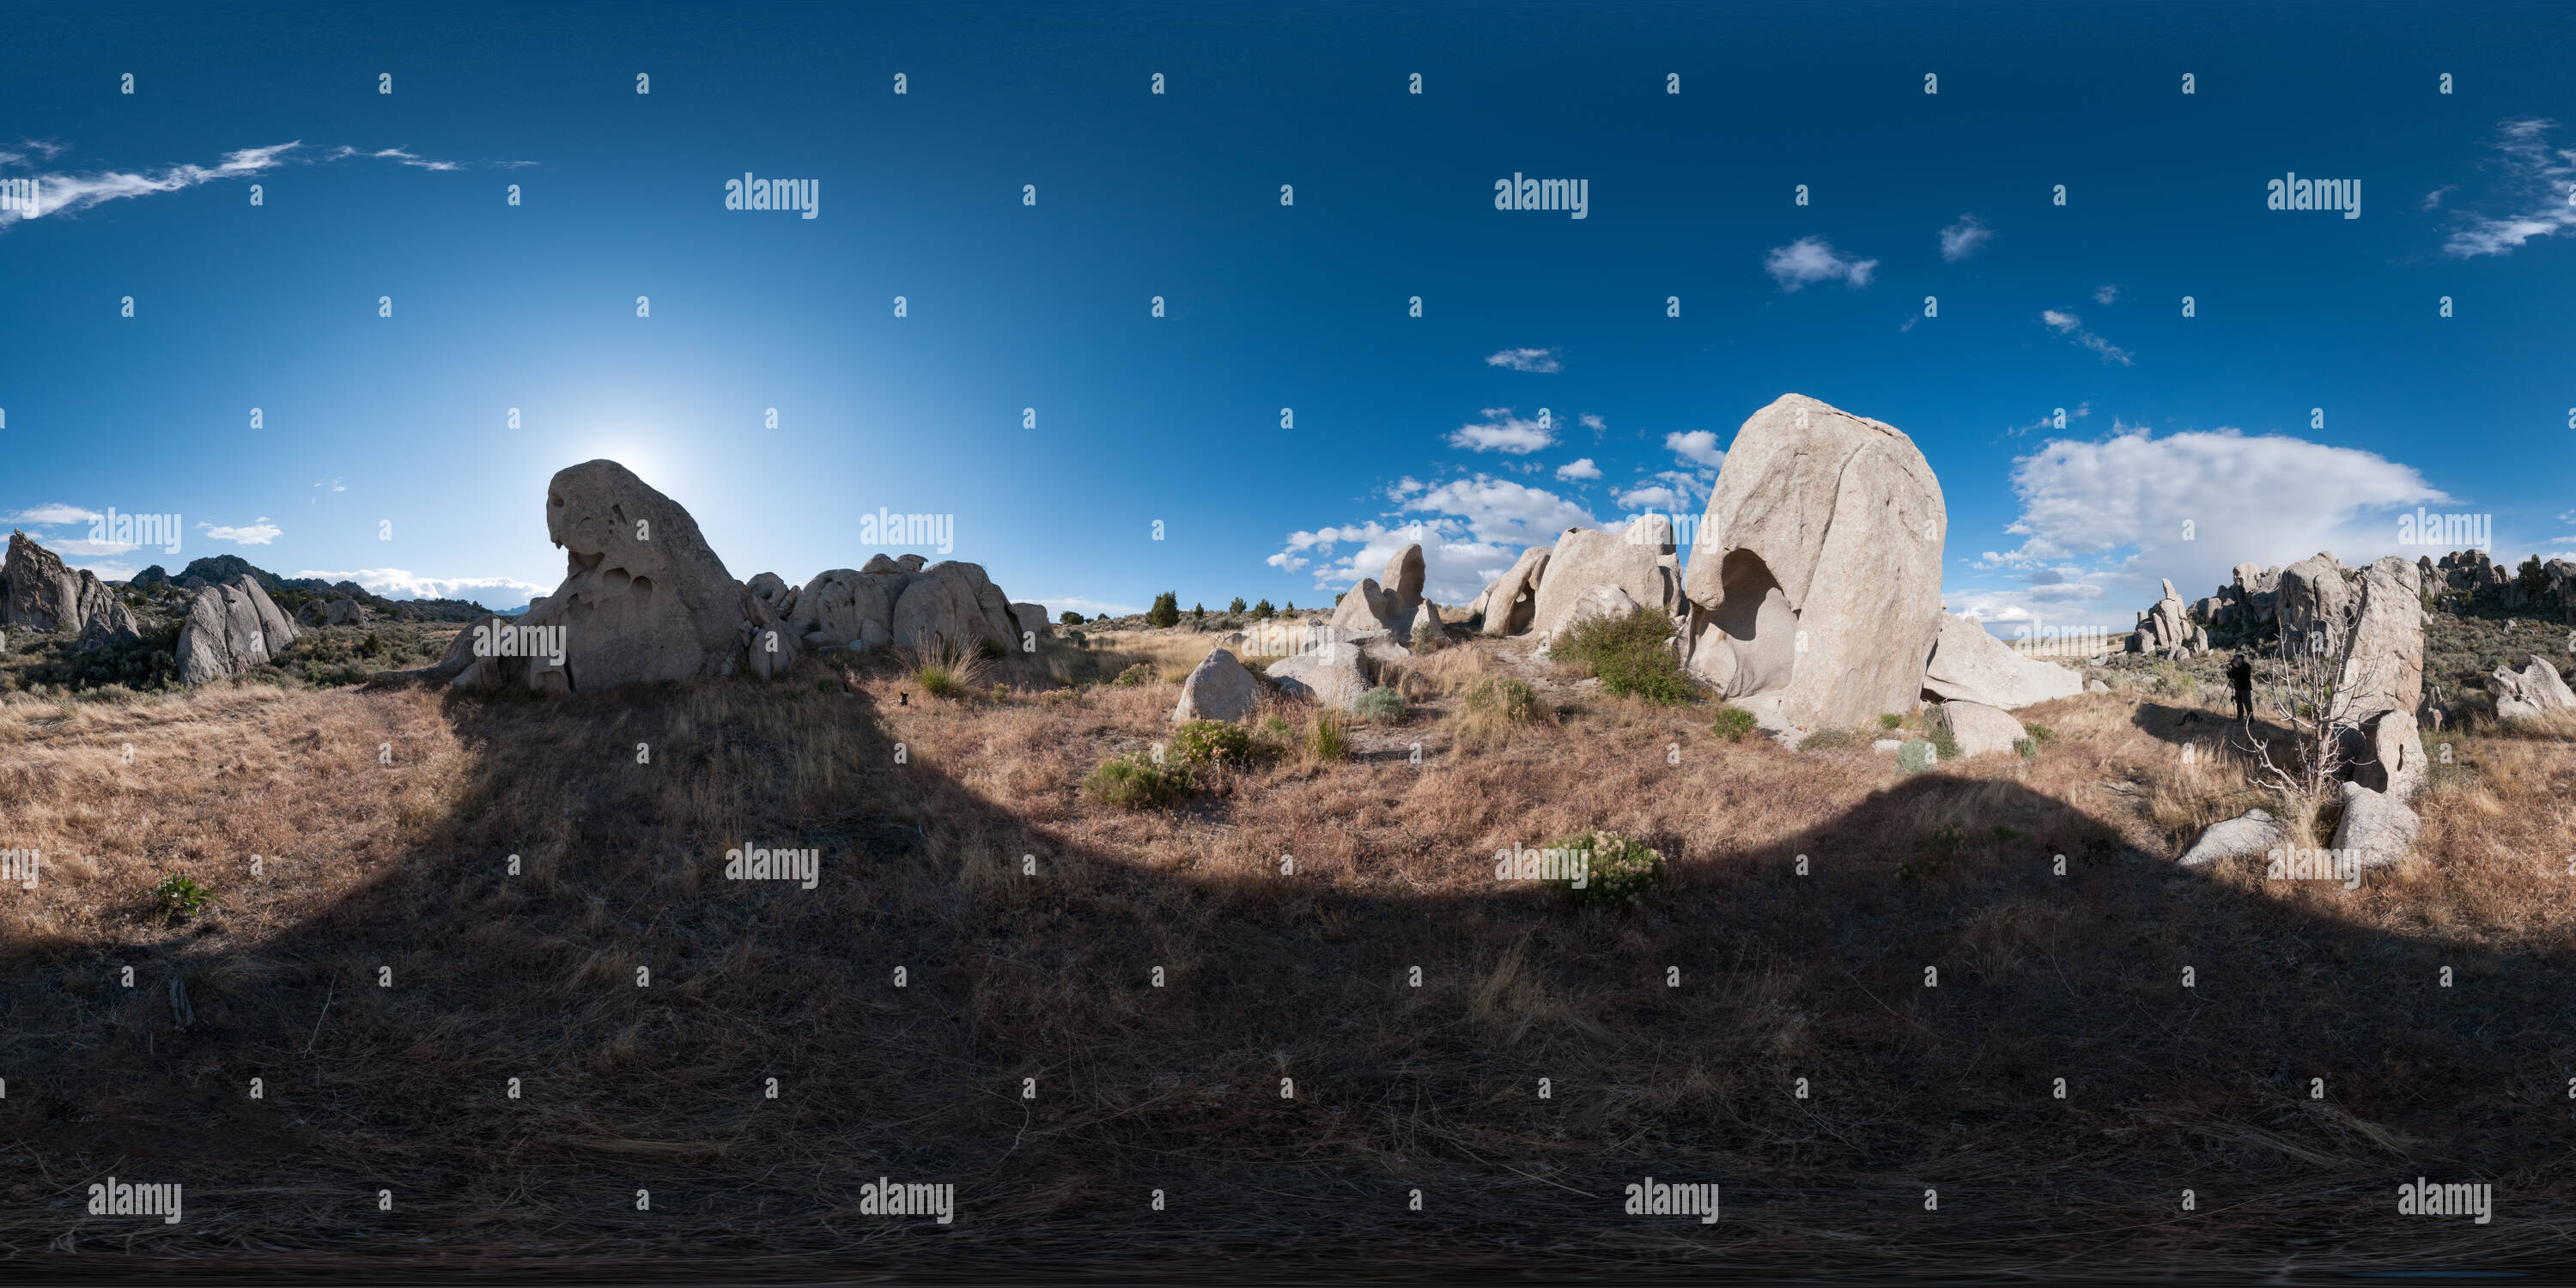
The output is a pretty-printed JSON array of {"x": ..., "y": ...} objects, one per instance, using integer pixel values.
[
  {"x": 344, "y": 612},
  {"x": 1981, "y": 729},
  {"x": 2246, "y": 836},
  {"x": 2531, "y": 693},
  {"x": 2377, "y": 828},
  {"x": 1969, "y": 664},
  {"x": 1219, "y": 688},
  {"x": 1329, "y": 676},
  {"x": 1427, "y": 625},
  {"x": 1512, "y": 599},
  {"x": 1032, "y": 621}
]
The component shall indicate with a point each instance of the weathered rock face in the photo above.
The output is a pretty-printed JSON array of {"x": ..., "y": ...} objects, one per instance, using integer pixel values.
[
  {"x": 39, "y": 593},
  {"x": 2236, "y": 838},
  {"x": 2313, "y": 596},
  {"x": 1512, "y": 599},
  {"x": 1332, "y": 676},
  {"x": 2393, "y": 759},
  {"x": 912, "y": 563},
  {"x": 2384, "y": 668},
  {"x": 2377, "y": 827},
  {"x": 344, "y": 612},
  {"x": 1970, "y": 665},
  {"x": 643, "y": 597},
  {"x": 1403, "y": 579},
  {"x": 1219, "y": 688},
  {"x": 1427, "y": 626},
  {"x": 1368, "y": 607},
  {"x": 1588, "y": 557},
  {"x": 1602, "y": 600},
  {"x": 1826, "y": 526},
  {"x": 2531, "y": 693},
  {"x": 771, "y": 642},
  {"x": 849, "y": 608},
  {"x": 952, "y": 606},
  {"x": 1032, "y": 621},
  {"x": 1981, "y": 729},
  {"x": 231, "y": 629}
]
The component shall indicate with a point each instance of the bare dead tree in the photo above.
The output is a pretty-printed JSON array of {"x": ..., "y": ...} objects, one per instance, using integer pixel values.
[{"x": 2304, "y": 698}]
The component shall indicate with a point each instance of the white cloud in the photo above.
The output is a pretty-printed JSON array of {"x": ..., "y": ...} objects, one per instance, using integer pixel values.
[
  {"x": 1582, "y": 469},
  {"x": 55, "y": 513},
  {"x": 67, "y": 193},
  {"x": 258, "y": 532},
  {"x": 2102, "y": 521},
  {"x": 1501, "y": 431},
  {"x": 1477, "y": 526},
  {"x": 1538, "y": 360},
  {"x": 1809, "y": 260},
  {"x": 2531, "y": 189},
  {"x": 1698, "y": 447},
  {"x": 1960, "y": 240},
  {"x": 2106, "y": 294},
  {"x": 2071, "y": 326},
  {"x": 1593, "y": 423},
  {"x": 2433, "y": 200},
  {"x": 1654, "y": 496},
  {"x": 395, "y": 583}
]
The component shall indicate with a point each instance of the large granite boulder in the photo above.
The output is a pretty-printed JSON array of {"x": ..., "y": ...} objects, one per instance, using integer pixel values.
[
  {"x": 1512, "y": 599},
  {"x": 38, "y": 592},
  {"x": 2391, "y": 755},
  {"x": 1370, "y": 607},
  {"x": 1219, "y": 688},
  {"x": 1970, "y": 665},
  {"x": 2531, "y": 693},
  {"x": 1032, "y": 621},
  {"x": 1815, "y": 583},
  {"x": 643, "y": 597},
  {"x": 2313, "y": 597},
  {"x": 1403, "y": 579},
  {"x": 1587, "y": 557},
  {"x": 2383, "y": 664},
  {"x": 231, "y": 629},
  {"x": 952, "y": 607},
  {"x": 850, "y": 609},
  {"x": 344, "y": 612},
  {"x": 1980, "y": 729}
]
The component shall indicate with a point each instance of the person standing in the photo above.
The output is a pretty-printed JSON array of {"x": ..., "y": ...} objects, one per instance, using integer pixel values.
[{"x": 2240, "y": 673}]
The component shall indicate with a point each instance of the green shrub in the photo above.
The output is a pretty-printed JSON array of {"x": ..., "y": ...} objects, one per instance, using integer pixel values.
[
  {"x": 992, "y": 649},
  {"x": 1236, "y": 606},
  {"x": 1329, "y": 739},
  {"x": 1632, "y": 655},
  {"x": 1914, "y": 757},
  {"x": 945, "y": 676},
  {"x": 1619, "y": 872},
  {"x": 177, "y": 897},
  {"x": 1166, "y": 610},
  {"x": 1069, "y": 618},
  {"x": 1132, "y": 782},
  {"x": 1381, "y": 704},
  {"x": 1209, "y": 742},
  {"x": 1890, "y": 720},
  {"x": 1943, "y": 741},
  {"x": 1734, "y": 724},
  {"x": 1262, "y": 611},
  {"x": 1490, "y": 708},
  {"x": 2040, "y": 733},
  {"x": 1834, "y": 740},
  {"x": 2028, "y": 747},
  {"x": 1198, "y": 612},
  {"x": 1140, "y": 673}
]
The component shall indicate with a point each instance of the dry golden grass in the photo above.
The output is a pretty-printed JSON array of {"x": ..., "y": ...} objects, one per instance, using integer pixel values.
[{"x": 1287, "y": 904}]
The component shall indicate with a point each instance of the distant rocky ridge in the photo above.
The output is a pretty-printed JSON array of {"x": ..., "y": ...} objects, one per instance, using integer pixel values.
[
  {"x": 38, "y": 592},
  {"x": 645, "y": 599}
]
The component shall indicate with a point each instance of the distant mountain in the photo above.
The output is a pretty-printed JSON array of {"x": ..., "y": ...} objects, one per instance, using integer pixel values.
[{"x": 225, "y": 568}]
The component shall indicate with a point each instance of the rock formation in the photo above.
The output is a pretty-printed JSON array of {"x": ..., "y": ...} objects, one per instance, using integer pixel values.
[
  {"x": 1403, "y": 580},
  {"x": 2236, "y": 838},
  {"x": 2383, "y": 662},
  {"x": 1815, "y": 584},
  {"x": 643, "y": 597},
  {"x": 37, "y": 592},
  {"x": 2531, "y": 693},
  {"x": 1512, "y": 599},
  {"x": 1219, "y": 688},
  {"x": 1368, "y": 607},
  {"x": 1638, "y": 561},
  {"x": 231, "y": 629},
  {"x": 1970, "y": 665},
  {"x": 1331, "y": 676},
  {"x": 2313, "y": 598}
]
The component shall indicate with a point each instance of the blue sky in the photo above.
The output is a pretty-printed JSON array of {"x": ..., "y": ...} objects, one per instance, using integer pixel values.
[{"x": 385, "y": 452}]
